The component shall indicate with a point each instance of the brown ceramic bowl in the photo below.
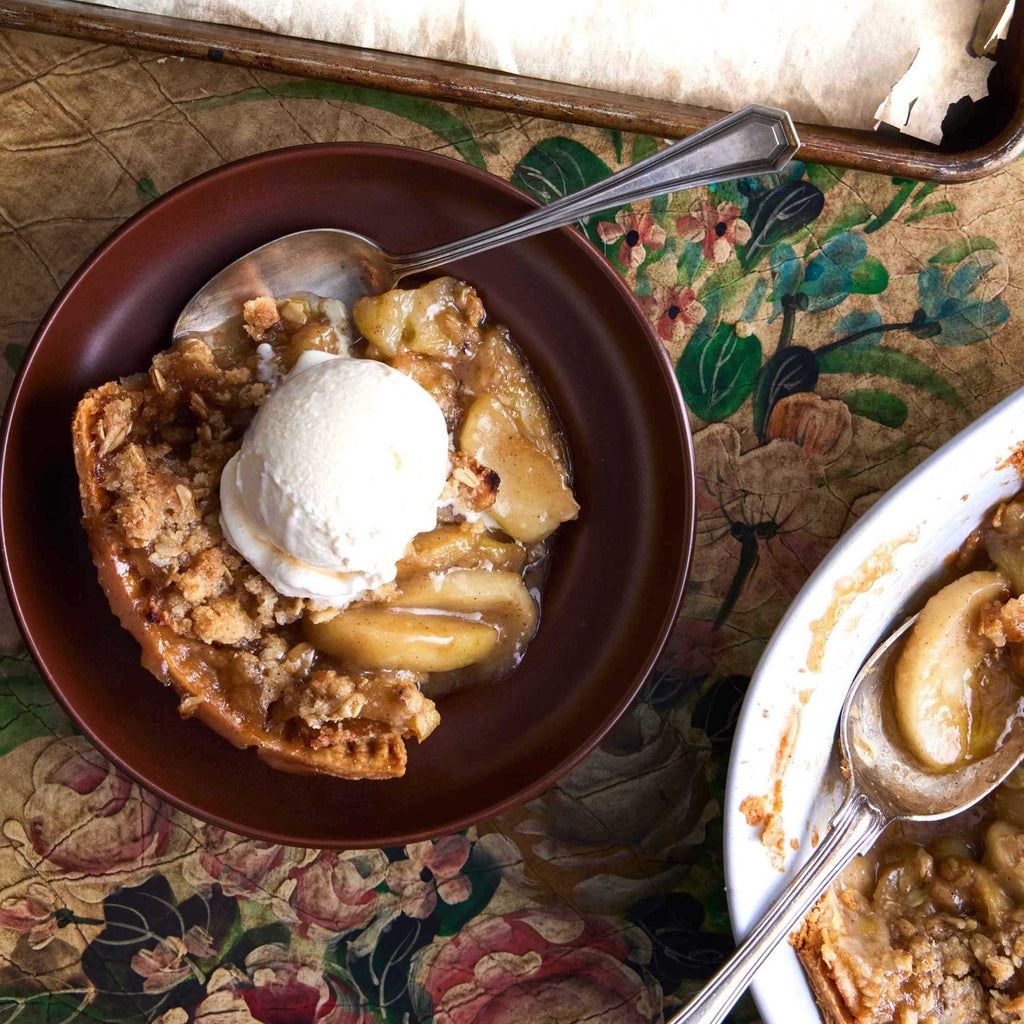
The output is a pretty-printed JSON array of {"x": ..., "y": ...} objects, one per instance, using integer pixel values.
[{"x": 617, "y": 574}]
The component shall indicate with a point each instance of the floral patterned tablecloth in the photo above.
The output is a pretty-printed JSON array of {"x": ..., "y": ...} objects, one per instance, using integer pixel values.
[{"x": 829, "y": 329}]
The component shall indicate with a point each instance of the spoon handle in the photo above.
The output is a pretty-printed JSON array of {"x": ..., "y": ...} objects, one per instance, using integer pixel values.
[
  {"x": 852, "y": 830},
  {"x": 754, "y": 140}
]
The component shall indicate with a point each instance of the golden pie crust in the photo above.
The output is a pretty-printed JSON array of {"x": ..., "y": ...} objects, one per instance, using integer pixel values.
[
  {"x": 938, "y": 940},
  {"x": 149, "y": 451},
  {"x": 337, "y": 691}
]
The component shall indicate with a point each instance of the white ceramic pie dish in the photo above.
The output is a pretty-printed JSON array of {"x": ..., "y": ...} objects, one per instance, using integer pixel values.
[{"x": 878, "y": 573}]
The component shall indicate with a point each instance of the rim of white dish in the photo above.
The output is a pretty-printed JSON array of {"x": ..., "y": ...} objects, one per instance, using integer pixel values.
[{"x": 918, "y": 522}]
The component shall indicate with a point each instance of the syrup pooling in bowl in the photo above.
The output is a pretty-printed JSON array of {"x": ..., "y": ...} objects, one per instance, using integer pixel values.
[
  {"x": 319, "y": 686},
  {"x": 464, "y": 602},
  {"x": 483, "y": 565}
]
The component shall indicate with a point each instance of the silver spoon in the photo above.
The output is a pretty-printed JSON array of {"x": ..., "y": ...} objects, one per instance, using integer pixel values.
[
  {"x": 344, "y": 265},
  {"x": 885, "y": 784}
]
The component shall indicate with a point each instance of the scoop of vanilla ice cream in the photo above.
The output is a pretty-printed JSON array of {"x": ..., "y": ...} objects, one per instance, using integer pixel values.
[{"x": 340, "y": 468}]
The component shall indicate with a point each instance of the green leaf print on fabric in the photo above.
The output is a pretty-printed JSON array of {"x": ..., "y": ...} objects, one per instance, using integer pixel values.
[
  {"x": 824, "y": 176},
  {"x": 962, "y": 248},
  {"x": 382, "y": 975},
  {"x": 146, "y": 190},
  {"x": 931, "y": 210},
  {"x": 880, "y": 406},
  {"x": 14, "y": 355},
  {"x": 886, "y": 362},
  {"x": 904, "y": 188},
  {"x": 27, "y": 708},
  {"x": 717, "y": 374},
  {"x": 643, "y": 147},
  {"x": 276, "y": 933},
  {"x": 615, "y": 137},
  {"x": 484, "y": 875},
  {"x": 849, "y": 215},
  {"x": 559, "y": 166},
  {"x": 869, "y": 277},
  {"x": 48, "y": 1007},
  {"x": 425, "y": 113}
]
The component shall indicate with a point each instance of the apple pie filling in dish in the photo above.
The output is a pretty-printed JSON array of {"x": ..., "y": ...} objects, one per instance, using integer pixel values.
[
  {"x": 326, "y": 664},
  {"x": 928, "y": 927}
]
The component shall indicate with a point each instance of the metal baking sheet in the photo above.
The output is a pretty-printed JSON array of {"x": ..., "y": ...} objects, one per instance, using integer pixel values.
[{"x": 988, "y": 137}]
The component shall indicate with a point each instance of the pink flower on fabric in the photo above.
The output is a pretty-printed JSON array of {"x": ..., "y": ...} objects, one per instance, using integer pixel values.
[
  {"x": 85, "y": 816},
  {"x": 240, "y": 866},
  {"x": 546, "y": 964},
  {"x": 338, "y": 890},
  {"x": 34, "y": 913},
  {"x": 432, "y": 869},
  {"x": 199, "y": 942},
  {"x": 276, "y": 987},
  {"x": 638, "y": 235},
  {"x": 163, "y": 966},
  {"x": 673, "y": 310},
  {"x": 167, "y": 963},
  {"x": 719, "y": 228}
]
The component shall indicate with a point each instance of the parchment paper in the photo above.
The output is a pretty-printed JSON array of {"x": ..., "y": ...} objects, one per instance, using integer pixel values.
[{"x": 831, "y": 62}]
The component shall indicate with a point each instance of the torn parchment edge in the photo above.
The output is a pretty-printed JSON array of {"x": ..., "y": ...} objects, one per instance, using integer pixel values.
[
  {"x": 993, "y": 24},
  {"x": 917, "y": 103}
]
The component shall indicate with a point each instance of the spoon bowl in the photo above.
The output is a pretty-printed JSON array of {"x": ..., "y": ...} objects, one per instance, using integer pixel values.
[
  {"x": 334, "y": 263},
  {"x": 891, "y": 778},
  {"x": 885, "y": 784},
  {"x": 328, "y": 262}
]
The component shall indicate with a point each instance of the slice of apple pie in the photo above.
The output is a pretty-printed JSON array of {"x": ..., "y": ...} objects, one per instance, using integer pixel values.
[{"x": 313, "y": 687}]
